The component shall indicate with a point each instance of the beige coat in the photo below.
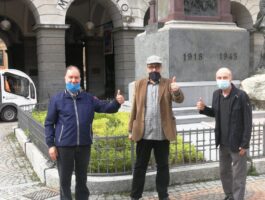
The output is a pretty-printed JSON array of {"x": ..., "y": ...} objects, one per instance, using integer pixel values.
[{"x": 165, "y": 98}]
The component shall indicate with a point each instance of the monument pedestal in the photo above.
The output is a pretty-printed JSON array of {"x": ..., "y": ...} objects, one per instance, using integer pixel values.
[{"x": 193, "y": 51}]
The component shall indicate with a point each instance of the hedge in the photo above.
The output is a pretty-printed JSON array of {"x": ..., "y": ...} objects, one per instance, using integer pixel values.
[{"x": 111, "y": 150}]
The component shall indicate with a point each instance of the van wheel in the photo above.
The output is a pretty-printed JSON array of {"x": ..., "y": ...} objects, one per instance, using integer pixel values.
[{"x": 9, "y": 114}]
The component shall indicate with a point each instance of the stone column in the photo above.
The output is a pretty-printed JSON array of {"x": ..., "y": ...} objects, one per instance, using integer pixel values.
[
  {"x": 124, "y": 58},
  {"x": 51, "y": 59},
  {"x": 153, "y": 15}
]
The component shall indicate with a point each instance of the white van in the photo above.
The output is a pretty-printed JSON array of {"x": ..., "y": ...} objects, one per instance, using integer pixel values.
[{"x": 16, "y": 89}]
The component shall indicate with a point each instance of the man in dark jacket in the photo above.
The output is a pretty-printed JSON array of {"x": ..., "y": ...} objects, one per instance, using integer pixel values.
[
  {"x": 68, "y": 130},
  {"x": 233, "y": 124}
]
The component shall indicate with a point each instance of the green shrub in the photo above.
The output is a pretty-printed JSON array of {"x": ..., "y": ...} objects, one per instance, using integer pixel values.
[
  {"x": 113, "y": 154},
  {"x": 39, "y": 116}
]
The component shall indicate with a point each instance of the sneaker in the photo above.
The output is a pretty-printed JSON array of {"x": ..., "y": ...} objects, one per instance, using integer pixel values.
[{"x": 134, "y": 198}]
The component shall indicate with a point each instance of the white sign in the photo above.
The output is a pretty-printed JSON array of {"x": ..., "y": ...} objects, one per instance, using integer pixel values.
[{"x": 62, "y": 4}]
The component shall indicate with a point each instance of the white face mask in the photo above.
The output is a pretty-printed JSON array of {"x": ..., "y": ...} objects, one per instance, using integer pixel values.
[{"x": 223, "y": 84}]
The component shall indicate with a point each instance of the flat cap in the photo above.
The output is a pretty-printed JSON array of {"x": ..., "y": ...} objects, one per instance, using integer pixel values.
[{"x": 153, "y": 59}]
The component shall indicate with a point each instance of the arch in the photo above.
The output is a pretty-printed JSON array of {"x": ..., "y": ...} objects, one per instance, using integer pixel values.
[
  {"x": 34, "y": 10},
  {"x": 114, "y": 11},
  {"x": 13, "y": 35},
  {"x": 252, "y": 6},
  {"x": 146, "y": 17},
  {"x": 241, "y": 15}
]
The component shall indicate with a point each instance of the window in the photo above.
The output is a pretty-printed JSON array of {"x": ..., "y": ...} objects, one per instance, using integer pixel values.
[
  {"x": 1, "y": 58},
  {"x": 16, "y": 85},
  {"x": 32, "y": 91}
]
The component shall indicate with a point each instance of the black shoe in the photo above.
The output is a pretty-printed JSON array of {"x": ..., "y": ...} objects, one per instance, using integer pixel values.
[
  {"x": 228, "y": 198},
  {"x": 165, "y": 198},
  {"x": 134, "y": 198}
]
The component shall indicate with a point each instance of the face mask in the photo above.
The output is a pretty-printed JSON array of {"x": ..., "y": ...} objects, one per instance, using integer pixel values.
[
  {"x": 74, "y": 88},
  {"x": 223, "y": 84},
  {"x": 154, "y": 76}
]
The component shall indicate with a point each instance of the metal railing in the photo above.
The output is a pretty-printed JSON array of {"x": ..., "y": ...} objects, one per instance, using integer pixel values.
[{"x": 114, "y": 155}]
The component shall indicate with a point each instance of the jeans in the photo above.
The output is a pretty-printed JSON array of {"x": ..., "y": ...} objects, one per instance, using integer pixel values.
[
  {"x": 73, "y": 159},
  {"x": 143, "y": 152}
]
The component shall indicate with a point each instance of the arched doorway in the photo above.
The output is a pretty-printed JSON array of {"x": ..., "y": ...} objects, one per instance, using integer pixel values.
[
  {"x": 90, "y": 46},
  {"x": 19, "y": 38}
]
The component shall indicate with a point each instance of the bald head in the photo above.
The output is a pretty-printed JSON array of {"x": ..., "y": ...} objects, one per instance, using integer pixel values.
[
  {"x": 72, "y": 75},
  {"x": 224, "y": 74}
]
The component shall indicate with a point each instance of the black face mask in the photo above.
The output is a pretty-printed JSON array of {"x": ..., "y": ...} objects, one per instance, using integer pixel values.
[{"x": 154, "y": 76}]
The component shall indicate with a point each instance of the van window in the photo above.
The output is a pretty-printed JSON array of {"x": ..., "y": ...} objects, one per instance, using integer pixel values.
[
  {"x": 32, "y": 91},
  {"x": 16, "y": 85}
]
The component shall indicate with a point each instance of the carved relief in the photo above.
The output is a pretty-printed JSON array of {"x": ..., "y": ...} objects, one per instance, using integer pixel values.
[{"x": 201, "y": 7}]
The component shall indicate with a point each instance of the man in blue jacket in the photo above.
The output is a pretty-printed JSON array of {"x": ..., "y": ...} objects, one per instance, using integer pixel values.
[
  {"x": 233, "y": 124},
  {"x": 68, "y": 130}
]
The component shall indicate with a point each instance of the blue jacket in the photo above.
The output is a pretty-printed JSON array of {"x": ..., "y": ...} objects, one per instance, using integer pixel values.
[
  {"x": 240, "y": 118},
  {"x": 69, "y": 120}
]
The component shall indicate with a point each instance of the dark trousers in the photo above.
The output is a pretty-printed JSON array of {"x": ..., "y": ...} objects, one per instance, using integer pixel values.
[
  {"x": 73, "y": 159},
  {"x": 233, "y": 172},
  {"x": 143, "y": 152}
]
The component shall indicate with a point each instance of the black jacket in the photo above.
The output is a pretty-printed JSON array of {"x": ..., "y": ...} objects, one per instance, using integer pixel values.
[{"x": 240, "y": 118}]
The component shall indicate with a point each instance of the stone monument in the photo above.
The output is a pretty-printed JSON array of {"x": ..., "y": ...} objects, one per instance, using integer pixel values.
[
  {"x": 260, "y": 27},
  {"x": 254, "y": 85},
  {"x": 197, "y": 38}
]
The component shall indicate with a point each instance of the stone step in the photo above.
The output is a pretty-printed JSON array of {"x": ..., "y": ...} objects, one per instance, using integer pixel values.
[
  {"x": 190, "y": 115},
  {"x": 190, "y": 119},
  {"x": 185, "y": 111}
]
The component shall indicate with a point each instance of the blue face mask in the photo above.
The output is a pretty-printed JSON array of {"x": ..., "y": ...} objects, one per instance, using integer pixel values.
[
  {"x": 74, "y": 88},
  {"x": 223, "y": 84}
]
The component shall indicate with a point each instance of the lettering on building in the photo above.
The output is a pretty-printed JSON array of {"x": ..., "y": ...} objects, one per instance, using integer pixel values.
[
  {"x": 197, "y": 56},
  {"x": 122, "y": 5},
  {"x": 201, "y": 7},
  {"x": 62, "y": 4},
  {"x": 192, "y": 57}
]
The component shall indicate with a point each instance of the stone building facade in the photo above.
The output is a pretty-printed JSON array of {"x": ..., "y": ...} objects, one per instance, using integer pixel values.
[{"x": 96, "y": 35}]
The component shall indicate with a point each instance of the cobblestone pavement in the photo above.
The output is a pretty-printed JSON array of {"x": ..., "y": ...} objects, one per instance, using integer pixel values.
[{"x": 18, "y": 181}]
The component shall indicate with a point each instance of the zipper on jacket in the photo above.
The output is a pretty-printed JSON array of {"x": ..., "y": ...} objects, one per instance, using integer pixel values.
[
  {"x": 61, "y": 133},
  {"x": 77, "y": 122}
]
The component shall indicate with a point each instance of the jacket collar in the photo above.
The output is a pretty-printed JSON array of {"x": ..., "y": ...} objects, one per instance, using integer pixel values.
[{"x": 70, "y": 95}]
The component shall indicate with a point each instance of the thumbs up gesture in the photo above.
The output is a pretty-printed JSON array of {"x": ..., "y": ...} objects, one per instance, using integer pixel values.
[
  {"x": 119, "y": 97},
  {"x": 174, "y": 86},
  {"x": 200, "y": 104}
]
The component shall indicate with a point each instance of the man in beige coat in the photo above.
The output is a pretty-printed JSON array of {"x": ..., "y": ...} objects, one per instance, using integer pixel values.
[{"x": 152, "y": 125}]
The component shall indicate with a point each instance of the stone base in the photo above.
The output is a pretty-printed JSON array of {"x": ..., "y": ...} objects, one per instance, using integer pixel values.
[{"x": 193, "y": 51}]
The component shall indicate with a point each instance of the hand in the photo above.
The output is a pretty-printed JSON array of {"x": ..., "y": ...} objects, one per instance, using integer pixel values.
[
  {"x": 53, "y": 153},
  {"x": 130, "y": 136},
  {"x": 174, "y": 86},
  {"x": 242, "y": 151},
  {"x": 119, "y": 97},
  {"x": 200, "y": 104}
]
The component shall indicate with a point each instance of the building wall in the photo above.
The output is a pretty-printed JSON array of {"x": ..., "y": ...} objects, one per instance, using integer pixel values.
[{"x": 127, "y": 17}]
